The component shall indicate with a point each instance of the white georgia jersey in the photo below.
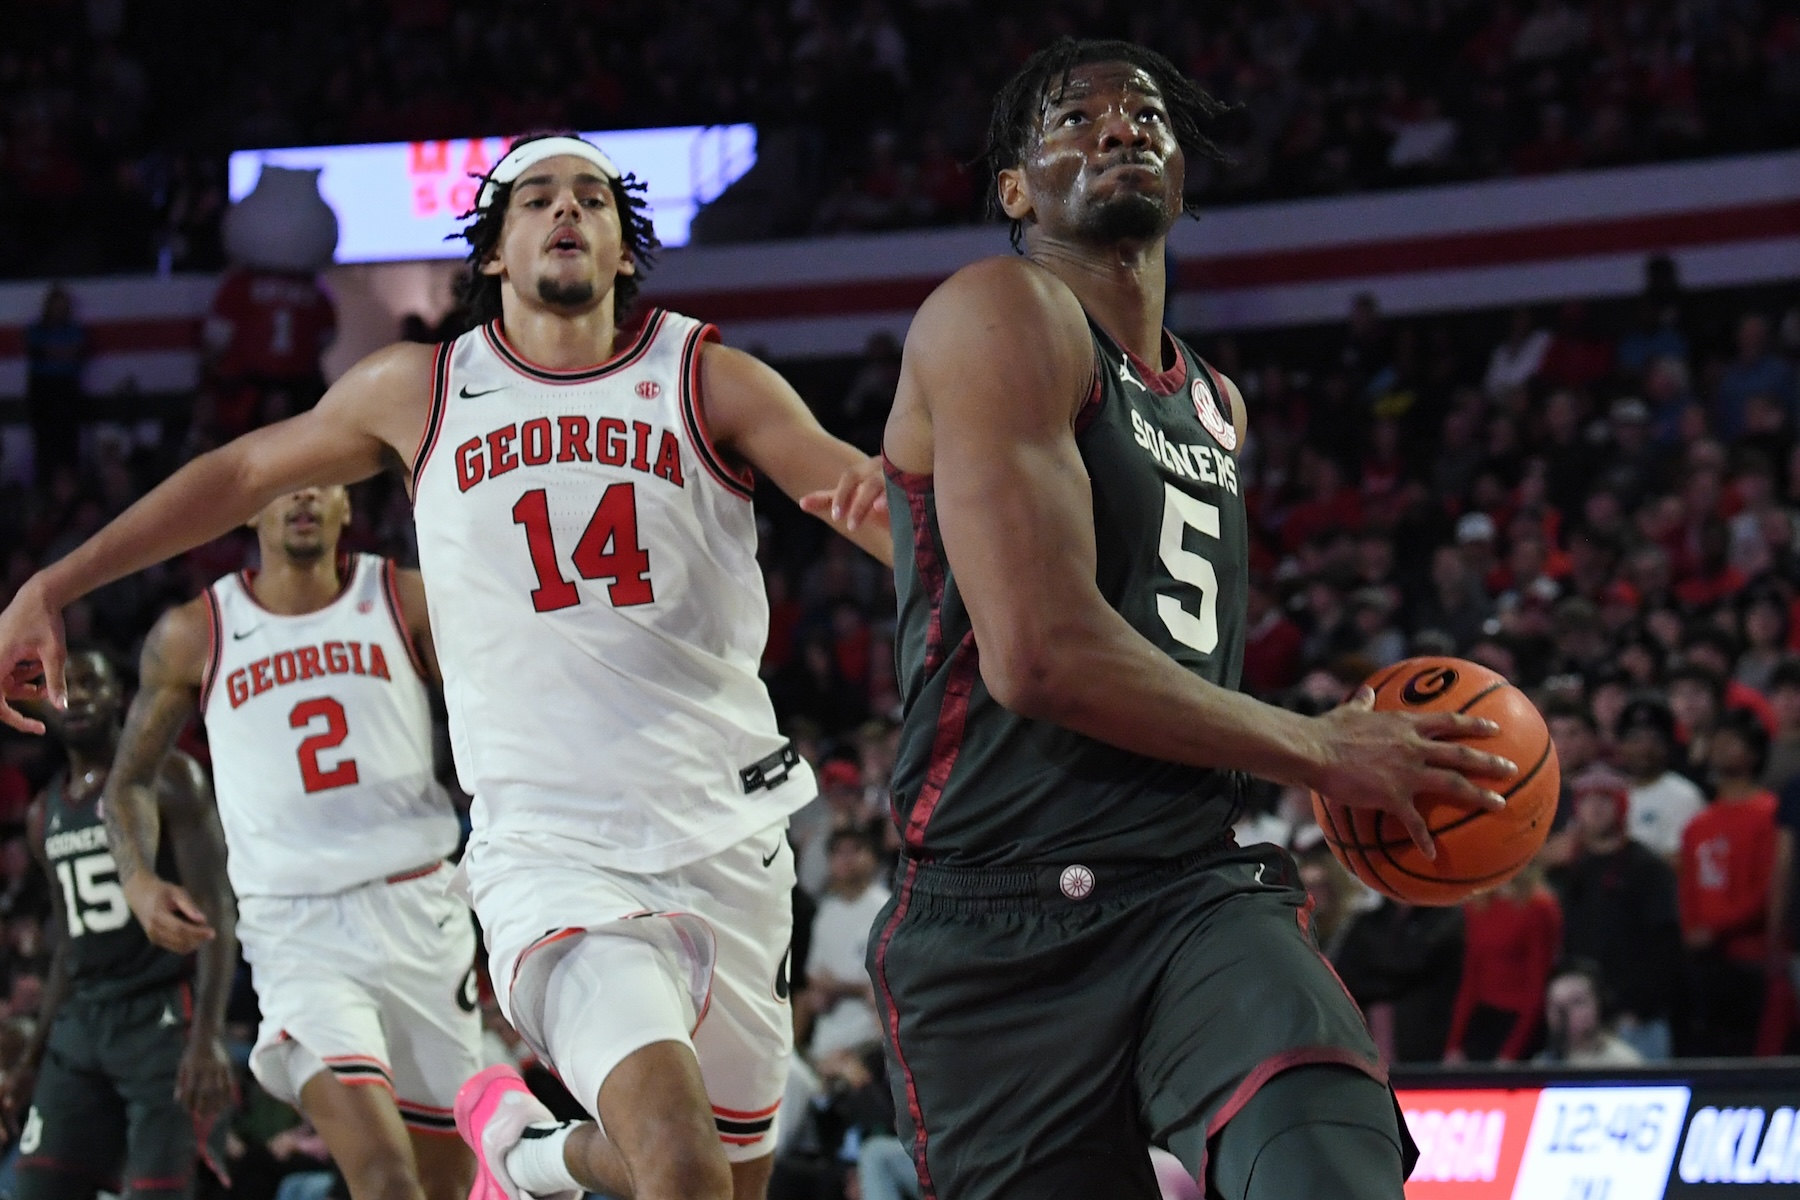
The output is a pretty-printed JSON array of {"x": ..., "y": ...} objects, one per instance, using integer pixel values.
[
  {"x": 320, "y": 731},
  {"x": 590, "y": 559}
]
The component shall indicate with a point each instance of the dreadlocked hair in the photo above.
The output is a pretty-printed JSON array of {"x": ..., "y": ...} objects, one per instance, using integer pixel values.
[
  {"x": 478, "y": 294},
  {"x": 1019, "y": 106}
]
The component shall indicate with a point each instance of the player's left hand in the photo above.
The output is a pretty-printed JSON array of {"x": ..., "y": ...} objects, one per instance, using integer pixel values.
[
  {"x": 861, "y": 493},
  {"x": 203, "y": 1082}
]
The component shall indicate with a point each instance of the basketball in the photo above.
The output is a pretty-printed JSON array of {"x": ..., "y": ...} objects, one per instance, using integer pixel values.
[{"x": 1477, "y": 850}]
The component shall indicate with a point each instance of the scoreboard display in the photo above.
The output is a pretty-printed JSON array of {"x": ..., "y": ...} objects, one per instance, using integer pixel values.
[
  {"x": 1731, "y": 1132},
  {"x": 398, "y": 201}
]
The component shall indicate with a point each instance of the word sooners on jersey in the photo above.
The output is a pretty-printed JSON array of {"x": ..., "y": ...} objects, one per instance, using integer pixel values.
[
  {"x": 590, "y": 560},
  {"x": 320, "y": 731}
]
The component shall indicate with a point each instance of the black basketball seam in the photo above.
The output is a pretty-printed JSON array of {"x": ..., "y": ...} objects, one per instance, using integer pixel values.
[
  {"x": 1336, "y": 838},
  {"x": 1459, "y": 822},
  {"x": 1385, "y": 846},
  {"x": 1478, "y": 696},
  {"x": 1388, "y": 678}
]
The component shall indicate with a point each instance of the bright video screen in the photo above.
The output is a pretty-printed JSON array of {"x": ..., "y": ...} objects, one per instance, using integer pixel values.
[
  {"x": 398, "y": 201},
  {"x": 1605, "y": 1141}
]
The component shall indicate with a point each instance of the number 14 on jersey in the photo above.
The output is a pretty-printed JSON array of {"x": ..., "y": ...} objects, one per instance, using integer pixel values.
[{"x": 608, "y": 549}]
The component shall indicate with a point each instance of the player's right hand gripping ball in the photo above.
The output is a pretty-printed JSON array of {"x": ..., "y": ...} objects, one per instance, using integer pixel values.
[{"x": 1477, "y": 850}]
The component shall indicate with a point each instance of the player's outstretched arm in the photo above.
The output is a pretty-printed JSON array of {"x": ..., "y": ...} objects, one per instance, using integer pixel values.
[
  {"x": 371, "y": 416},
  {"x": 170, "y": 671},
  {"x": 185, "y": 799},
  {"x": 997, "y": 365},
  {"x": 21, "y": 1081},
  {"x": 756, "y": 414}
]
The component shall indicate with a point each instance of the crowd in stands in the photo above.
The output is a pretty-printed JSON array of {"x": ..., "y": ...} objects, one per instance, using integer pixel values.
[
  {"x": 1601, "y": 502},
  {"x": 116, "y": 116}
]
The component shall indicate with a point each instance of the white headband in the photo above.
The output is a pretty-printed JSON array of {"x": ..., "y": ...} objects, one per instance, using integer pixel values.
[{"x": 529, "y": 154}]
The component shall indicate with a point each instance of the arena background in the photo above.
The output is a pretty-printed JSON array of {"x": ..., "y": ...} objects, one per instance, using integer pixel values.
[{"x": 1512, "y": 291}]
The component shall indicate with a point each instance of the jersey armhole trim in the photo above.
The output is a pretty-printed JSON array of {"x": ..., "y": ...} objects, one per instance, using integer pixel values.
[
  {"x": 390, "y": 592},
  {"x": 1096, "y": 399},
  {"x": 214, "y": 628},
  {"x": 434, "y": 421},
  {"x": 693, "y": 418}
]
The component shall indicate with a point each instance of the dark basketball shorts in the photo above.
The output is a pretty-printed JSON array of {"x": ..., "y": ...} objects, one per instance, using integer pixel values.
[
  {"x": 1072, "y": 1015},
  {"x": 104, "y": 1115}
]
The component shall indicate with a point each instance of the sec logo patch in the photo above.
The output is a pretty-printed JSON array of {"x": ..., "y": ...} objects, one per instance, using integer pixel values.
[{"x": 649, "y": 389}]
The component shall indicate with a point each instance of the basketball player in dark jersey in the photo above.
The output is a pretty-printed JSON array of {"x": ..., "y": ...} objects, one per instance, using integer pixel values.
[
  {"x": 1077, "y": 962},
  {"x": 125, "y": 1074}
]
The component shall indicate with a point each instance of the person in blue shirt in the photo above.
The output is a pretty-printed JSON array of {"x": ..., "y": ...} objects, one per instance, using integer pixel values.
[{"x": 56, "y": 349}]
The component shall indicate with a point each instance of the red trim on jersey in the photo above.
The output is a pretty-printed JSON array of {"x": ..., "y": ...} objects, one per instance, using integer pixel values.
[
  {"x": 733, "y": 1114},
  {"x": 1275, "y": 1064},
  {"x": 927, "y": 1190},
  {"x": 368, "y": 1060},
  {"x": 737, "y": 1140},
  {"x": 556, "y": 935},
  {"x": 925, "y": 556},
  {"x": 1090, "y": 408},
  {"x": 953, "y": 715},
  {"x": 390, "y": 592},
  {"x": 159, "y": 1183},
  {"x": 1163, "y": 383},
  {"x": 346, "y": 576},
  {"x": 214, "y": 645},
  {"x": 693, "y": 418},
  {"x": 434, "y": 420},
  {"x": 496, "y": 339},
  {"x": 415, "y": 873}
]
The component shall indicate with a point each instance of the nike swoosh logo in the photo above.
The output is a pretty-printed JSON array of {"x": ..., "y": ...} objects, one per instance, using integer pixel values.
[
  {"x": 466, "y": 394},
  {"x": 238, "y": 637},
  {"x": 771, "y": 858}
]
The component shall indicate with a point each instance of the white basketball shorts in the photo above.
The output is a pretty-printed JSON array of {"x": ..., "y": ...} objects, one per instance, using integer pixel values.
[
  {"x": 591, "y": 964},
  {"x": 375, "y": 984}
]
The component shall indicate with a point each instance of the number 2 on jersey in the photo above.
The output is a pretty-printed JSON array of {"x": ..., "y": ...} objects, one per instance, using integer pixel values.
[
  {"x": 608, "y": 549},
  {"x": 315, "y": 777}
]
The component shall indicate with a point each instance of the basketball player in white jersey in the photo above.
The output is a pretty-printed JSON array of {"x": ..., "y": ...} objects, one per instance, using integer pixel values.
[
  {"x": 311, "y": 675},
  {"x": 587, "y": 538}
]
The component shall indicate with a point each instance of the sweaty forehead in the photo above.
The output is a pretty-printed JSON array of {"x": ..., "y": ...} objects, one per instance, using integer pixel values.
[{"x": 1099, "y": 80}]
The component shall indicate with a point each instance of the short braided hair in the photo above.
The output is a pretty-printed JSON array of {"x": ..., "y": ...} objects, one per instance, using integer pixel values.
[
  {"x": 1020, "y": 102},
  {"x": 478, "y": 294}
]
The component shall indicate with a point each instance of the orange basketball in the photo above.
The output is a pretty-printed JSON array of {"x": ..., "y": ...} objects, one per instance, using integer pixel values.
[{"x": 1477, "y": 850}]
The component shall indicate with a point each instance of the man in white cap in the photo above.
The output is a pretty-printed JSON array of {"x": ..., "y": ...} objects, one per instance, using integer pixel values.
[{"x": 582, "y": 494}]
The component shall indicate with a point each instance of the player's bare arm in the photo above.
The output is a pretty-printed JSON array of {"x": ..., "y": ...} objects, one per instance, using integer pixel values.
[
  {"x": 997, "y": 365},
  {"x": 411, "y": 586},
  {"x": 755, "y": 414},
  {"x": 191, "y": 819},
  {"x": 371, "y": 417},
  {"x": 21, "y": 1081},
  {"x": 169, "y": 676}
]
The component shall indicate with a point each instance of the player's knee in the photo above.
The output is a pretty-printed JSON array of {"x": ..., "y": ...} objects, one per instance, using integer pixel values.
[
  {"x": 1320, "y": 1131},
  {"x": 683, "y": 1173}
]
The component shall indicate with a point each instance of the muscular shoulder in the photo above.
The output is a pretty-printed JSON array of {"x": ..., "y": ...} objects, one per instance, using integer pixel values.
[
  {"x": 386, "y": 395},
  {"x": 410, "y": 585},
  {"x": 1003, "y": 299},
  {"x": 176, "y": 651}
]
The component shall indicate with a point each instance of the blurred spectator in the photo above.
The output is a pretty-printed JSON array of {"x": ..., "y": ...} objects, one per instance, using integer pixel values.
[
  {"x": 1784, "y": 747},
  {"x": 1576, "y": 1019},
  {"x": 1518, "y": 359},
  {"x": 1402, "y": 965},
  {"x": 1456, "y": 602},
  {"x": 265, "y": 334},
  {"x": 56, "y": 351},
  {"x": 1272, "y": 643},
  {"x": 839, "y": 998},
  {"x": 1727, "y": 863},
  {"x": 1514, "y": 937},
  {"x": 1662, "y": 802},
  {"x": 1619, "y": 910},
  {"x": 840, "y": 805},
  {"x": 1757, "y": 371}
]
